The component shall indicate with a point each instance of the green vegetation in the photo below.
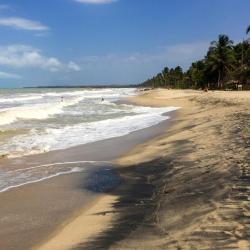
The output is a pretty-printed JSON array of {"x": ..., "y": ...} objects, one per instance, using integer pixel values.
[{"x": 225, "y": 66}]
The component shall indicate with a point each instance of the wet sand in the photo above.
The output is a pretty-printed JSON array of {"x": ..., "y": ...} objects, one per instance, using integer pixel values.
[
  {"x": 30, "y": 213},
  {"x": 33, "y": 213}
]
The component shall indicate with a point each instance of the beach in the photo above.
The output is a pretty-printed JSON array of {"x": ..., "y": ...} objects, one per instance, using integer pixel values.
[
  {"x": 124, "y": 125},
  {"x": 41, "y": 192},
  {"x": 34, "y": 211},
  {"x": 201, "y": 200},
  {"x": 183, "y": 183}
]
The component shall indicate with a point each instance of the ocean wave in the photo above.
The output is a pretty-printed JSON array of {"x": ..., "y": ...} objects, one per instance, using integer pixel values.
[
  {"x": 84, "y": 118},
  {"x": 19, "y": 99},
  {"x": 38, "y": 112},
  {"x": 54, "y": 138},
  {"x": 86, "y": 93},
  {"x": 52, "y": 103}
]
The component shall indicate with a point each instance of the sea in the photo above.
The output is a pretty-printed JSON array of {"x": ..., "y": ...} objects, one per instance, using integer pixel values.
[{"x": 38, "y": 120}]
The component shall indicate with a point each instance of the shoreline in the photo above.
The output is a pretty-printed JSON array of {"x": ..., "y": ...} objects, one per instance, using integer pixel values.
[
  {"x": 179, "y": 186},
  {"x": 53, "y": 218},
  {"x": 187, "y": 188},
  {"x": 89, "y": 151},
  {"x": 118, "y": 194},
  {"x": 68, "y": 236}
]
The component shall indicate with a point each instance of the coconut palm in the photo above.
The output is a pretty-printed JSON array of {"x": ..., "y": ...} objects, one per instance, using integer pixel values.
[
  {"x": 165, "y": 73},
  {"x": 224, "y": 62},
  {"x": 220, "y": 58},
  {"x": 197, "y": 72}
]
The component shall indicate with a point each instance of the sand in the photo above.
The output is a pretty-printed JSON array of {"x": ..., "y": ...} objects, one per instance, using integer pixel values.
[
  {"x": 34, "y": 213},
  {"x": 186, "y": 188},
  {"x": 30, "y": 214},
  {"x": 201, "y": 200},
  {"x": 87, "y": 224}
]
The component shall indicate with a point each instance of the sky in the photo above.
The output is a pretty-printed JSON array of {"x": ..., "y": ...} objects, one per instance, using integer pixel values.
[{"x": 84, "y": 42}]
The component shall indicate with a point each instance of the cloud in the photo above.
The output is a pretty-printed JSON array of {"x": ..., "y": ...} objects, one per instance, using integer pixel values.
[
  {"x": 9, "y": 75},
  {"x": 73, "y": 66},
  {"x": 20, "y": 56},
  {"x": 22, "y": 24},
  {"x": 96, "y": 1},
  {"x": 23, "y": 56}
]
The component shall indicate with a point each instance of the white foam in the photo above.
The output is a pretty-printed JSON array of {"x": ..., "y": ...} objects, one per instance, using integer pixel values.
[
  {"x": 19, "y": 99},
  {"x": 38, "y": 180},
  {"x": 39, "y": 112},
  {"x": 69, "y": 136},
  {"x": 20, "y": 177},
  {"x": 52, "y": 164},
  {"x": 51, "y": 103},
  {"x": 86, "y": 119}
]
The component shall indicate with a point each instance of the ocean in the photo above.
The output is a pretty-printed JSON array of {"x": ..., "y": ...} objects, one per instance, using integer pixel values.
[{"x": 41, "y": 120}]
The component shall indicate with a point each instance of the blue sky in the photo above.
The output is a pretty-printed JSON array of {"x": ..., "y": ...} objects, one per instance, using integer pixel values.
[{"x": 74, "y": 42}]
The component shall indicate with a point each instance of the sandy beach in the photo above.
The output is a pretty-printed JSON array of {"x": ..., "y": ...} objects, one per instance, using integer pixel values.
[
  {"x": 184, "y": 184},
  {"x": 32, "y": 214},
  {"x": 125, "y": 125},
  {"x": 201, "y": 200}
]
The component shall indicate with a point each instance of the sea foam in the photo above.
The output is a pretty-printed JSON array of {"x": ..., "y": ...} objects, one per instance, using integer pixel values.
[
  {"x": 39, "y": 112},
  {"x": 36, "y": 122}
]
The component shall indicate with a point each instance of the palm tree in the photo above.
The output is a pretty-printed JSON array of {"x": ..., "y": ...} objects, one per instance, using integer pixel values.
[
  {"x": 165, "y": 73},
  {"x": 197, "y": 72},
  {"x": 242, "y": 48},
  {"x": 159, "y": 79},
  {"x": 220, "y": 58},
  {"x": 153, "y": 83},
  {"x": 248, "y": 29}
]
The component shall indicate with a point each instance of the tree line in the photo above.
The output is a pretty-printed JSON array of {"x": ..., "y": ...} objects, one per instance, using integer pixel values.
[{"x": 225, "y": 66}]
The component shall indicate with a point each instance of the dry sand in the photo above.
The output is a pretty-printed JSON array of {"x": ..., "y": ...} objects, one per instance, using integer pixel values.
[
  {"x": 202, "y": 198},
  {"x": 188, "y": 188}
]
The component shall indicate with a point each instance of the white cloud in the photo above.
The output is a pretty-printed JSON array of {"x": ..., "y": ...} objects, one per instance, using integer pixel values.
[
  {"x": 22, "y": 24},
  {"x": 20, "y": 56},
  {"x": 23, "y": 56},
  {"x": 73, "y": 66},
  {"x": 9, "y": 75},
  {"x": 96, "y": 1}
]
